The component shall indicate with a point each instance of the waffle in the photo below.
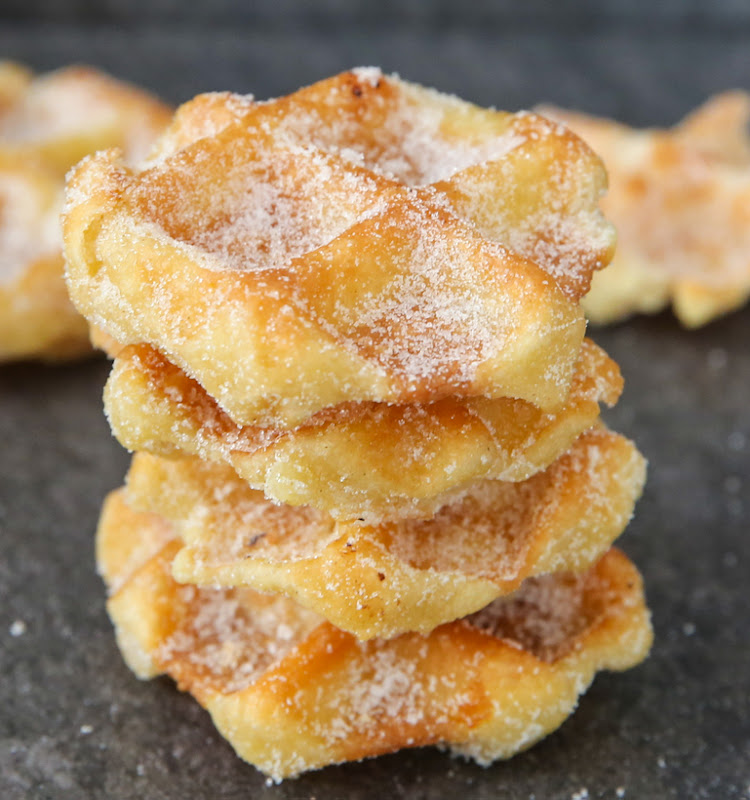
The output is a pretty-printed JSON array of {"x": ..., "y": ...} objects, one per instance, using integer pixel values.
[
  {"x": 383, "y": 580},
  {"x": 36, "y": 316},
  {"x": 368, "y": 461},
  {"x": 362, "y": 240},
  {"x": 680, "y": 199},
  {"x": 46, "y": 125},
  {"x": 293, "y": 693}
]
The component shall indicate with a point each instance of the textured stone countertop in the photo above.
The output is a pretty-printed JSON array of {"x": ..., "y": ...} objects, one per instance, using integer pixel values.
[{"x": 74, "y": 723}]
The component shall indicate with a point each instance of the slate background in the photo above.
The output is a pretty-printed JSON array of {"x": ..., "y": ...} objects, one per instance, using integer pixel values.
[{"x": 74, "y": 723}]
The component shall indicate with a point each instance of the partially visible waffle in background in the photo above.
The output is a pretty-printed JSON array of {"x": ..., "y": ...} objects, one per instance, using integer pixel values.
[
  {"x": 680, "y": 199},
  {"x": 48, "y": 124}
]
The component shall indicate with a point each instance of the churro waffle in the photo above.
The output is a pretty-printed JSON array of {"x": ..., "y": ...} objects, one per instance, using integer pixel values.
[
  {"x": 349, "y": 348},
  {"x": 383, "y": 580},
  {"x": 46, "y": 125},
  {"x": 360, "y": 240},
  {"x": 292, "y": 693},
  {"x": 36, "y": 315},
  {"x": 366, "y": 460},
  {"x": 680, "y": 199}
]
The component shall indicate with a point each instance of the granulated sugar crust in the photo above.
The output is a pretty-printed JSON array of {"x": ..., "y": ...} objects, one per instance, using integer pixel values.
[
  {"x": 293, "y": 693},
  {"x": 357, "y": 461},
  {"x": 383, "y": 580},
  {"x": 355, "y": 241}
]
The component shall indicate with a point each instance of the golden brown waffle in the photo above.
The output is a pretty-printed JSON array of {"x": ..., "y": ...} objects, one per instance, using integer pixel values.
[
  {"x": 36, "y": 315},
  {"x": 361, "y": 240},
  {"x": 293, "y": 693},
  {"x": 369, "y": 461},
  {"x": 46, "y": 125},
  {"x": 383, "y": 580},
  {"x": 680, "y": 199}
]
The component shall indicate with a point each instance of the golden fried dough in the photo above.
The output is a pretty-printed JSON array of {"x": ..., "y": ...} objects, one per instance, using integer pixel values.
[
  {"x": 36, "y": 315},
  {"x": 292, "y": 693},
  {"x": 680, "y": 199},
  {"x": 360, "y": 240},
  {"x": 366, "y": 460},
  {"x": 383, "y": 580},
  {"x": 46, "y": 125}
]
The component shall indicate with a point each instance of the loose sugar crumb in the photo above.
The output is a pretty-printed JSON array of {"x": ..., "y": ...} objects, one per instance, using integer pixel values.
[
  {"x": 85, "y": 730},
  {"x": 370, "y": 75},
  {"x": 17, "y": 628},
  {"x": 735, "y": 506}
]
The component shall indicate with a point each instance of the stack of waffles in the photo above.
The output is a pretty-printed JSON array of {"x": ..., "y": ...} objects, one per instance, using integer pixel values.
[{"x": 372, "y": 501}]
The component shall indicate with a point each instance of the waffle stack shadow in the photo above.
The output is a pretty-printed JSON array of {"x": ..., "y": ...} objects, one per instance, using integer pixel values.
[{"x": 372, "y": 503}]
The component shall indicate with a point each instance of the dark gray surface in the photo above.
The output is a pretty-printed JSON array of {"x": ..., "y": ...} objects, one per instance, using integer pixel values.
[
  {"x": 649, "y": 80},
  {"x": 422, "y": 15},
  {"x": 74, "y": 723}
]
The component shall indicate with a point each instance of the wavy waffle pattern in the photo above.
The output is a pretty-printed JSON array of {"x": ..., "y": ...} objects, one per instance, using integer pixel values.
[
  {"x": 292, "y": 693},
  {"x": 368, "y": 461},
  {"x": 361, "y": 240},
  {"x": 387, "y": 579}
]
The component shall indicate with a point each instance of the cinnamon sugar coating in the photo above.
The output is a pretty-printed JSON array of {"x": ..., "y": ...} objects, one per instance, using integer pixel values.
[
  {"x": 363, "y": 239},
  {"x": 46, "y": 125},
  {"x": 390, "y": 578},
  {"x": 349, "y": 350},
  {"x": 292, "y": 692},
  {"x": 366, "y": 460}
]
